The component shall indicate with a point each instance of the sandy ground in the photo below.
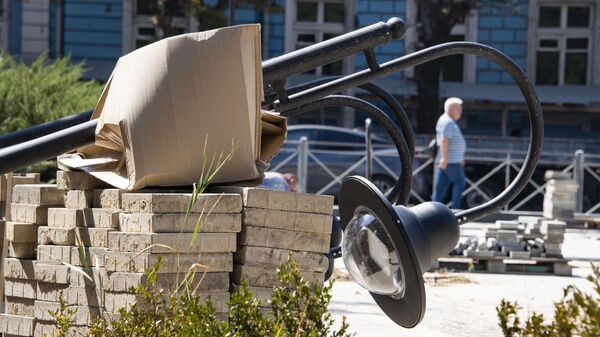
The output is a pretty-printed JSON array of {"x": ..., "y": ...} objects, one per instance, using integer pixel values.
[{"x": 467, "y": 309}]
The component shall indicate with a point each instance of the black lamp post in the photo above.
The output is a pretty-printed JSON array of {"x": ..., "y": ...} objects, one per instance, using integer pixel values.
[{"x": 385, "y": 247}]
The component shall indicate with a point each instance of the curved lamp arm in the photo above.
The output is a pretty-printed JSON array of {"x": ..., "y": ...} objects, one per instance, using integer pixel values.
[
  {"x": 401, "y": 191},
  {"x": 432, "y": 53}
]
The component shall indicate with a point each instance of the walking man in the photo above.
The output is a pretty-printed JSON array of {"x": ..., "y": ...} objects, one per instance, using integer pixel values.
[{"x": 450, "y": 159}]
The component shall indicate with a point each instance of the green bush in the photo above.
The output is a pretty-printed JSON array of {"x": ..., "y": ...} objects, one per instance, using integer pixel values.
[
  {"x": 576, "y": 314},
  {"x": 43, "y": 91},
  {"x": 298, "y": 309}
]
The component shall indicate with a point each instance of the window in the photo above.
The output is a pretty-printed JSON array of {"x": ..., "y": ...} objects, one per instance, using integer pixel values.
[
  {"x": 563, "y": 39},
  {"x": 315, "y": 21}
]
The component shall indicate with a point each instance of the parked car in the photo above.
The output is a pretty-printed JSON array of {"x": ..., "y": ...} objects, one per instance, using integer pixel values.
[{"x": 334, "y": 153}]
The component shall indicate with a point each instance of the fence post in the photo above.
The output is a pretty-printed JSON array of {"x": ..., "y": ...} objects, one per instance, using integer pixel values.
[
  {"x": 302, "y": 169},
  {"x": 369, "y": 149},
  {"x": 507, "y": 172},
  {"x": 578, "y": 173}
]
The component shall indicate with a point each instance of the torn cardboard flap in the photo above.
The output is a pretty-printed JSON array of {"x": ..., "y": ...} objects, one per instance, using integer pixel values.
[{"x": 164, "y": 101}]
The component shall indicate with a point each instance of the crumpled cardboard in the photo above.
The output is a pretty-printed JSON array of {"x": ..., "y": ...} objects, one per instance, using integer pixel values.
[{"x": 163, "y": 102}]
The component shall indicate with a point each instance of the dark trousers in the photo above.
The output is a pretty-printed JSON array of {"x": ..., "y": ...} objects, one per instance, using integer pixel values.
[{"x": 453, "y": 174}]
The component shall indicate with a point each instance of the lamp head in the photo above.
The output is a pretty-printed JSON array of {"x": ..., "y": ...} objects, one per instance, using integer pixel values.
[{"x": 387, "y": 248}]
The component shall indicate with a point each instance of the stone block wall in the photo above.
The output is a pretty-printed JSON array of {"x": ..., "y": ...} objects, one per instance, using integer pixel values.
[{"x": 58, "y": 231}]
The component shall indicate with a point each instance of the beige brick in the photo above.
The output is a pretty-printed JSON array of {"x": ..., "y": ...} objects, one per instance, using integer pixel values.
[
  {"x": 266, "y": 277},
  {"x": 76, "y": 180},
  {"x": 171, "y": 263},
  {"x": 179, "y": 202},
  {"x": 72, "y": 295},
  {"x": 83, "y": 315},
  {"x": 169, "y": 243},
  {"x": 273, "y": 258},
  {"x": 19, "y": 269},
  {"x": 86, "y": 296},
  {"x": 279, "y": 200},
  {"x": 101, "y": 218},
  {"x": 17, "y": 179},
  {"x": 48, "y": 329},
  {"x": 115, "y": 301},
  {"x": 108, "y": 198},
  {"x": 93, "y": 256},
  {"x": 29, "y": 213},
  {"x": 296, "y": 221},
  {"x": 21, "y": 232},
  {"x": 203, "y": 282},
  {"x": 19, "y": 306},
  {"x": 52, "y": 273},
  {"x": 56, "y": 236},
  {"x": 79, "y": 199},
  {"x": 87, "y": 217},
  {"x": 20, "y": 288},
  {"x": 65, "y": 217},
  {"x": 16, "y": 325},
  {"x": 50, "y": 291},
  {"x": 176, "y": 223},
  {"x": 22, "y": 250},
  {"x": 279, "y": 238},
  {"x": 38, "y": 194},
  {"x": 50, "y": 254},
  {"x": 264, "y": 294},
  {"x": 92, "y": 237},
  {"x": 92, "y": 277}
]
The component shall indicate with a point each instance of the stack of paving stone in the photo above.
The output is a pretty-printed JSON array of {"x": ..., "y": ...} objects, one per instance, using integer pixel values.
[
  {"x": 76, "y": 227},
  {"x": 29, "y": 213},
  {"x": 155, "y": 224},
  {"x": 554, "y": 236},
  {"x": 559, "y": 197},
  {"x": 275, "y": 225},
  {"x": 7, "y": 181},
  {"x": 530, "y": 236},
  {"x": 116, "y": 236}
]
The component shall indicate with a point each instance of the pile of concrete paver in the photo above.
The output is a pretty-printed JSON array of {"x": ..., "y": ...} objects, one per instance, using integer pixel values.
[
  {"x": 527, "y": 237},
  {"x": 275, "y": 226},
  {"x": 559, "y": 195},
  {"x": 91, "y": 245}
]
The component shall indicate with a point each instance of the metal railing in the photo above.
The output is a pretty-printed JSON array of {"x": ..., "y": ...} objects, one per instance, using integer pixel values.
[{"x": 495, "y": 167}]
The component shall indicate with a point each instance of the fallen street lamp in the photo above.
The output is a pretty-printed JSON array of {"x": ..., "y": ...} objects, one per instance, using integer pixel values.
[{"x": 386, "y": 246}]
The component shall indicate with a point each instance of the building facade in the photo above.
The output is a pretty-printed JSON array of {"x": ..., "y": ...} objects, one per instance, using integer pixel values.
[{"x": 556, "y": 42}]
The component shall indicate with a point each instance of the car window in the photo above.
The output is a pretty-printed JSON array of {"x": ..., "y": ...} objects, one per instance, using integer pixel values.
[
  {"x": 340, "y": 137},
  {"x": 296, "y": 134}
]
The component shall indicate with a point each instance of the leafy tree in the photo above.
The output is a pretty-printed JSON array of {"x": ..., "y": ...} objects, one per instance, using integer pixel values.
[
  {"x": 208, "y": 14},
  {"x": 435, "y": 21},
  {"x": 43, "y": 91}
]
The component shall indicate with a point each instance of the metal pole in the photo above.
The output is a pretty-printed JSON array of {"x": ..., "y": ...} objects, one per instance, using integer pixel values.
[
  {"x": 578, "y": 174},
  {"x": 369, "y": 150},
  {"x": 507, "y": 173},
  {"x": 302, "y": 172}
]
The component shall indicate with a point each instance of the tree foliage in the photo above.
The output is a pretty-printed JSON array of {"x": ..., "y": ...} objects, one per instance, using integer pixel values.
[
  {"x": 434, "y": 24},
  {"x": 43, "y": 91},
  {"x": 208, "y": 14}
]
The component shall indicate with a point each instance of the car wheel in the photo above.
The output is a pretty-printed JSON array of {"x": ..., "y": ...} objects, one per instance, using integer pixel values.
[{"x": 383, "y": 183}]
